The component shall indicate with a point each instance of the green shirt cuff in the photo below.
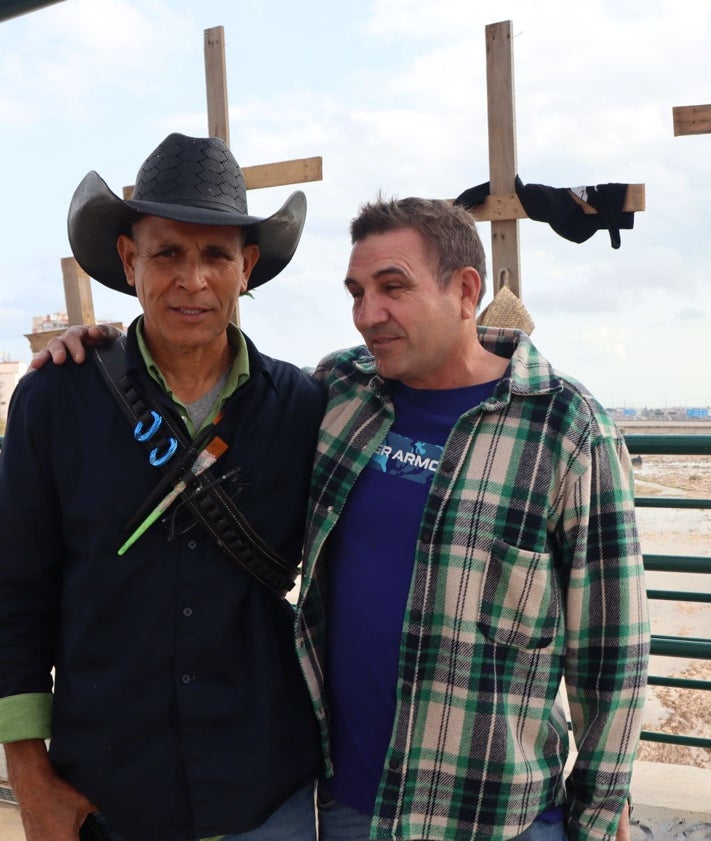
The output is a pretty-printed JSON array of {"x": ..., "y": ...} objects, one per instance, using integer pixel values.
[{"x": 27, "y": 716}]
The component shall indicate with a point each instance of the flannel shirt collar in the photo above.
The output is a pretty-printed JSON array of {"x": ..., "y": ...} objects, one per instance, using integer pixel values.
[{"x": 528, "y": 374}]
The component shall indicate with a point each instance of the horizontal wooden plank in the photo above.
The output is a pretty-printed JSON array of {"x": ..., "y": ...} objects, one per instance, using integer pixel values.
[
  {"x": 692, "y": 119},
  {"x": 500, "y": 208},
  {"x": 298, "y": 171}
]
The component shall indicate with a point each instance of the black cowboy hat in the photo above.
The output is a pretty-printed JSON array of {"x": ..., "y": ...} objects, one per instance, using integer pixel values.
[{"x": 187, "y": 179}]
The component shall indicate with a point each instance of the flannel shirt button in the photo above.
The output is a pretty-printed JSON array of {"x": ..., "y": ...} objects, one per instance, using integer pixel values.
[
  {"x": 448, "y": 465},
  {"x": 394, "y": 764},
  {"x": 416, "y": 614},
  {"x": 406, "y": 690},
  {"x": 426, "y": 537}
]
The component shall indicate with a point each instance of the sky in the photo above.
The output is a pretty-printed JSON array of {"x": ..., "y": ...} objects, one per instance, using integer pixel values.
[{"x": 392, "y": 95}]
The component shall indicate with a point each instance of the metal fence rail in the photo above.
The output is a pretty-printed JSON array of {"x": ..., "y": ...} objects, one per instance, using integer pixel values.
[{"x": 667, "y": 646}]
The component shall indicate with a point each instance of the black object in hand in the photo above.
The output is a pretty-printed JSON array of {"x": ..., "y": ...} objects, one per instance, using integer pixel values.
[{"x": 96, "y": 828}]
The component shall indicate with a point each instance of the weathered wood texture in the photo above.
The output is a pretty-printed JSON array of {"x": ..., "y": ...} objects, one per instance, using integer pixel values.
[{"x": 692, "y": 119}]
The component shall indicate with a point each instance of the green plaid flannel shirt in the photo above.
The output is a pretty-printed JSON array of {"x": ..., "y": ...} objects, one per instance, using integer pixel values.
[{"x": 528, "y": 571}]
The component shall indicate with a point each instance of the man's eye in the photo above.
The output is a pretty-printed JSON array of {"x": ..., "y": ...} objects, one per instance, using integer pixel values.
[{"x": 218, "y": 254}]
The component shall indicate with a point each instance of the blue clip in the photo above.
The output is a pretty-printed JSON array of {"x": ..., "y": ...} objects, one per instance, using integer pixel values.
[
  {"x": 157, "y": 460},
  {"x": 138, "y": 432}
]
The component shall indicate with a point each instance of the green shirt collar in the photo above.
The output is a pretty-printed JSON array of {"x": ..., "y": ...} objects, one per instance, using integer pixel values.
[{"x": 237, "y": 376}]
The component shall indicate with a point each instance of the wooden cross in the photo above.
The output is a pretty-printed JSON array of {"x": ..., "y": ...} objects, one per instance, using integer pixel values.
[
  {"x": 502, "y": 207},
  {"x": 77, "y": 289}
]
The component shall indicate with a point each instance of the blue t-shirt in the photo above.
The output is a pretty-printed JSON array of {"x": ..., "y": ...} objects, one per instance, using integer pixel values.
[{"x": 371, "y": 556}]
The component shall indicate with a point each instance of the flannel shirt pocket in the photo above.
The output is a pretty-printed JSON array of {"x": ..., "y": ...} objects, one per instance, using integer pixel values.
[{"x": 520, "y": 603}]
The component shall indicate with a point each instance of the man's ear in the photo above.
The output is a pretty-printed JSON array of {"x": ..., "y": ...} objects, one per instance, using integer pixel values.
[
  {"x": 470, "y": 284},
  {"x": 250, "y": 255},
  {"x": 126, "y": 248}
]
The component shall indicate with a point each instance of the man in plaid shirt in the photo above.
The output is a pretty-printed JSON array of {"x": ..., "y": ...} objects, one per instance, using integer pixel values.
[{"x": 471, "y": 549}]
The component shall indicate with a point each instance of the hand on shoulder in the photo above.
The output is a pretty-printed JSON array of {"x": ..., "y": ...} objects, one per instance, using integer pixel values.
[{"x": 73, "y": 342}]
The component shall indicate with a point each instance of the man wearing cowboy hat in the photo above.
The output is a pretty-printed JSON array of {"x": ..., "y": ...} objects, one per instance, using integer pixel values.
[{"x": 178, "y": 709}]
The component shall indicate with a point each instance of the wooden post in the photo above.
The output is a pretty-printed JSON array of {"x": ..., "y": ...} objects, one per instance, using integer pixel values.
[
  {"x": 77, "y": 292},
  {"x": 501, "y": 109},
  {"x": 218, "y": 119}
]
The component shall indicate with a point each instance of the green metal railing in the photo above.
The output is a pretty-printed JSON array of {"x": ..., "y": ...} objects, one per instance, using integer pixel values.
[{"x": 666, "y": 646}]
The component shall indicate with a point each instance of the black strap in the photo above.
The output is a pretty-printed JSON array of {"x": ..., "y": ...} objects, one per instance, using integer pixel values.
[{"x": 211, "y": 505}]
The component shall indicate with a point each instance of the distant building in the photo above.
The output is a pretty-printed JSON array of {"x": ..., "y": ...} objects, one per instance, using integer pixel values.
[{"x": 55, "y": 321}]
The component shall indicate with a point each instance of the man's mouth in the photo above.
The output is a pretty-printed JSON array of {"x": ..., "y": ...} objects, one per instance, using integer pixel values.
[
  {"x": 189, "y": 310},
  {"x": 380, "y": 341}
]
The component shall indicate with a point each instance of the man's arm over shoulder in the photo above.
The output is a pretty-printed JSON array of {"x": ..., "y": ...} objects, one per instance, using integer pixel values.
[
  {"x": 607, "y": 631},
  {"x": 73, "y": 343}
]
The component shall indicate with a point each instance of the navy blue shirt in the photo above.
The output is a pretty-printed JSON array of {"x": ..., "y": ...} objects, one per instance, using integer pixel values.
[{"x": 370, "y": 560}]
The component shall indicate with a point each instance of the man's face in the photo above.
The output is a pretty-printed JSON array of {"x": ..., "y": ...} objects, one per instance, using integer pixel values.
[
  {"x": 188, "y": 279},
  {"x": 417, "y": 332}
]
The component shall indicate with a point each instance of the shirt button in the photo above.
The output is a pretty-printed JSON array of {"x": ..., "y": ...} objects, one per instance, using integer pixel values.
[
  {"x": 187, "y": 611},
  {"x": 426, "y": 536},
  {"x": 186, "y": 678},
  {"x": 416, "y": 614},
  {"x": 447, "y": 465},
  {"x": 394, "y": 764},
  {"x": 406, "y": 690},
  {"x": 192, "y": 544}
]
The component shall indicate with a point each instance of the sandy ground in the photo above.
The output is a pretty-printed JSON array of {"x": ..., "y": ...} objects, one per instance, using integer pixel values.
[{"x": 677, "y": 532}]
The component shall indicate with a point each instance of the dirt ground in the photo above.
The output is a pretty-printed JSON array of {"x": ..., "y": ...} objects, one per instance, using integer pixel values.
[
  {"x": 686, "y": 473},
  {"x": 677, "y": 532}
]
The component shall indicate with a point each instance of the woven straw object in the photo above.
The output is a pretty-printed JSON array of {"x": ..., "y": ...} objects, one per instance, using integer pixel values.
[{"x": 506, "y": 310}]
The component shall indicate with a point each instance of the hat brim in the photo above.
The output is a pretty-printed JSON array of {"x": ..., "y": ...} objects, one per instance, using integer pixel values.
[{"x": 97, "y": 217}]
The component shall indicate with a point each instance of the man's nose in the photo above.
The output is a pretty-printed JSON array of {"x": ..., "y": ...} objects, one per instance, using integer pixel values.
[
  {"x": 193, "y": 274},
  {"x": 367, "y": 311}
]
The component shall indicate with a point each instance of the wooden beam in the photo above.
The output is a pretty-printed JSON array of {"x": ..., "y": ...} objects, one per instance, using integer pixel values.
[
  {"x": 509, "y": 206},
  {"x": 692, "y": 119},
  {"x": 295, "y": 171},
  {"x": 218, "y": 120},
  {"x": 77, "y": 292},
  {"x": 505, "y": 250}
]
